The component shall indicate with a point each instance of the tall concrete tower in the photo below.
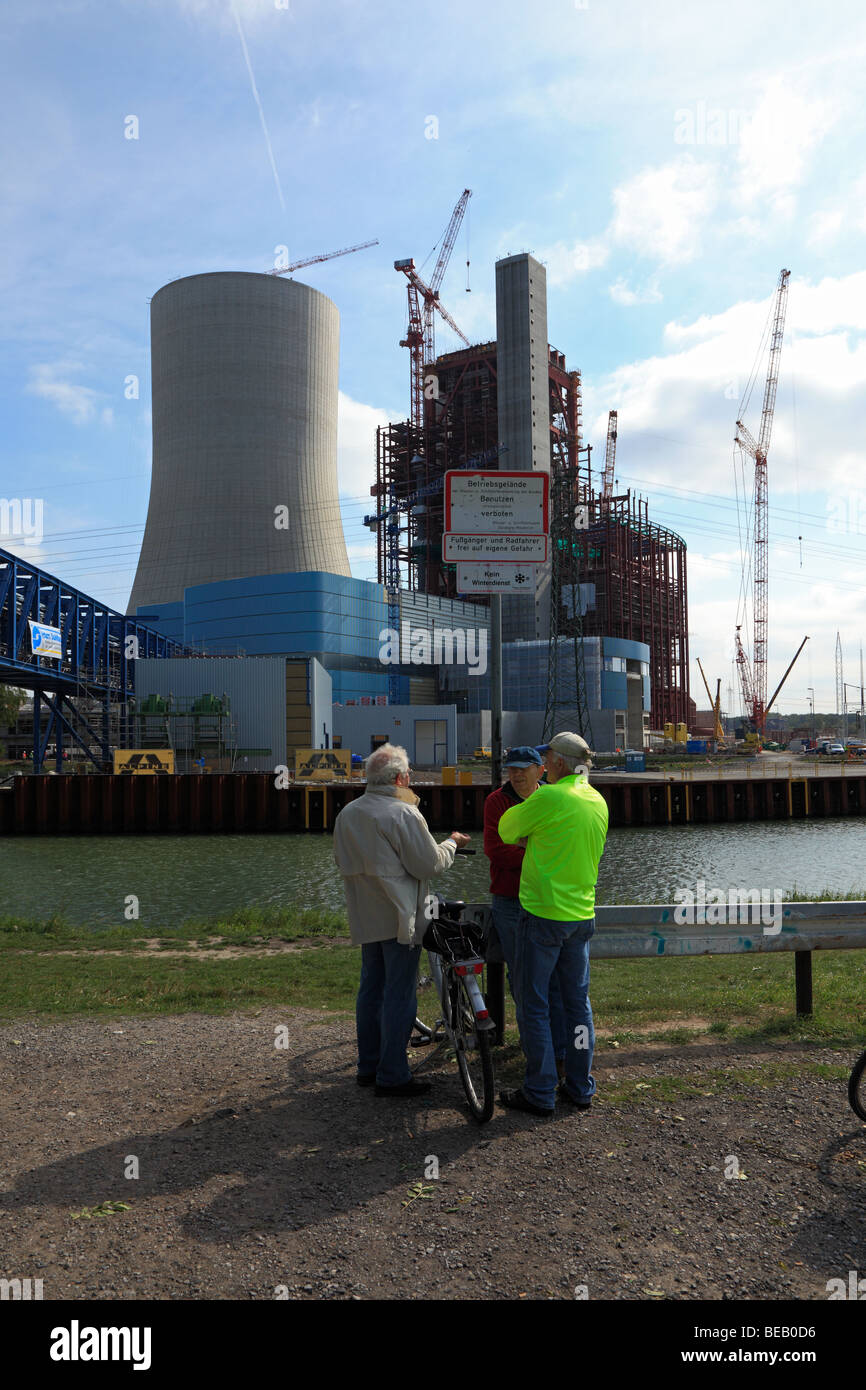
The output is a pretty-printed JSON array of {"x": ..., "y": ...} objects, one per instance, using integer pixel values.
[
  {"x": 244, "y": 479},
  {"x": 523, "y": 397}
]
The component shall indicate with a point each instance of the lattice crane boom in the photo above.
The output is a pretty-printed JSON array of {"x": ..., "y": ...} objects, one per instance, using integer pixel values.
[
  {"x": 609, "y": 458},
  {"x": 757, "y": 449},
  {"x": 424, "y": 304},
  {"x": 326, "y": 256}
]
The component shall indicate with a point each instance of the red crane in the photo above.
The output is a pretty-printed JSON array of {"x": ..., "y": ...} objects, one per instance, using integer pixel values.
[
  {"x": 754, "y": 680},
  {"x": 327, "y": 256},
  {"x": 423, "y": 306},
  {"x": 609, "y": 459}
]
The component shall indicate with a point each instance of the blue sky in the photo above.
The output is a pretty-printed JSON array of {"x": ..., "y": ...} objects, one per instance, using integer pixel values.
[{"x": 663, "y": 163}]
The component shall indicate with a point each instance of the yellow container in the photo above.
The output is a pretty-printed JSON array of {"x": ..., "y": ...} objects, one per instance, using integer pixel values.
[
  {"x": 682, "y": 733},
  {"x": 449, "y": 775},
  {"x": 669, "y": 732},
  {"x": 466, "y": 779}
]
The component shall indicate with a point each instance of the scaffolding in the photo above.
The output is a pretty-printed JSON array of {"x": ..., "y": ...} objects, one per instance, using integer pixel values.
[
  {"x": 633, "y": 570},
  {"x": 198, "y": 728},
  {"x": 637, "y": 571}
]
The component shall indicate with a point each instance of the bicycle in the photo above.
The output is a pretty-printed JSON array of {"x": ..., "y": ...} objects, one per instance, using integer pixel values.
[
  {"x": 857, "y": 1087},
  {"x": 455, "y": 950}
]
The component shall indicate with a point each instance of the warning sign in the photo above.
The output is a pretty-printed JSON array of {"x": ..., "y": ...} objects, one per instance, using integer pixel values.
[
  {"x": 322, "y": 764},
  {"x": 152, "y": 760}
]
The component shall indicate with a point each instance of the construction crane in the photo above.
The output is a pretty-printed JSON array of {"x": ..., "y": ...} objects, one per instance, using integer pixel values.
[
  {"x": 328, "y": 256},
  {"x": 424, "y": 304},
  {"x": 715, "y": 706},
  {"x": 609, "y": 459},
  {"x": 754, "y": 680}
]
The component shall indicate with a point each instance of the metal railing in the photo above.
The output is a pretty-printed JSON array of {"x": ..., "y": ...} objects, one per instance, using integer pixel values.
[{"x": 655, "y": 930}]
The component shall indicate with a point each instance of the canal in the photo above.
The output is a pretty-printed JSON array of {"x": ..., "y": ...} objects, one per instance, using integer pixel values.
[{"x": 86, "y": 879}]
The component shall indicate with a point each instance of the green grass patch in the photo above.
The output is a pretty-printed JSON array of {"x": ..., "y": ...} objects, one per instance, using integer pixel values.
[
  {"x": 61, "y": 985},
  {"x": 732, "y": 1082},
  {"x": 248, "y": 927}
]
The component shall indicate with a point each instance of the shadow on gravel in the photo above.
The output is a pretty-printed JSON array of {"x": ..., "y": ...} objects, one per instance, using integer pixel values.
[
  {"x": 834, "y": 1239},
  {"x": 323, "y": 1145}
]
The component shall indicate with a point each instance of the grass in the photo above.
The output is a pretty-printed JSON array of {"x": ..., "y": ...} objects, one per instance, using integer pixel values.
[{"x": 54, "y": 969}]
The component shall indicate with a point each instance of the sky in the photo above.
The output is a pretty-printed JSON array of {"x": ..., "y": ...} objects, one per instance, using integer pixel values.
[{"x": 663, "y": 162}]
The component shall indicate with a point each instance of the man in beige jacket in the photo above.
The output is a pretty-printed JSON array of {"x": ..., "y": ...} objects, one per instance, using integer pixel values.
[{"x": 386, "y": 854}]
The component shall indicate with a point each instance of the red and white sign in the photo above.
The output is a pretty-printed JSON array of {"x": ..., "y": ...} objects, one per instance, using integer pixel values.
[{"x": 496, "y": 502}]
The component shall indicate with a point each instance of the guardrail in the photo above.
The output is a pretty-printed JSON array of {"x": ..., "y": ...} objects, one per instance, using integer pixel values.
[{"x": 655, "y": 930}]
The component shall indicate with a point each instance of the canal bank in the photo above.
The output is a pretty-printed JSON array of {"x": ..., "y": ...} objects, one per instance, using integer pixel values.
[{"x": 251, "y": 803}]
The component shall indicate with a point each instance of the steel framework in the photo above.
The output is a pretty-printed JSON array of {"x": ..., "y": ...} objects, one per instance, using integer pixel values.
[
  {"x": 99, "y": 651},
  {"x": 638, "y": 573},
  {"x": 637, "y": 569}
]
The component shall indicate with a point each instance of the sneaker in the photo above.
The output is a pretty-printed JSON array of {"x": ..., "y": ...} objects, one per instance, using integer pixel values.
[
  {"x": 566, "y": 1095},
  {"x": 409, "y": 1088},
  {"x": 366, "y": 1080},
  {"x": 516, "y": 1100}
]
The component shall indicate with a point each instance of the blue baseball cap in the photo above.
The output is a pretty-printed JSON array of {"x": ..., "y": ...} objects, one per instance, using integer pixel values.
[{"x": 522, "y": 756}]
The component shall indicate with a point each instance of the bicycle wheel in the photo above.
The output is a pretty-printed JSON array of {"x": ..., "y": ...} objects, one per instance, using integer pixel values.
[
  {"x": 474, "y": 1058},
  {"x": 857, "y": 1087}
]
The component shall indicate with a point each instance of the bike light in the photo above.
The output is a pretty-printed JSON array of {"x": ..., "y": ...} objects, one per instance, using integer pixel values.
[
  {"x": 460, "y": 970},
  {"x": 481, "y": 1013}
]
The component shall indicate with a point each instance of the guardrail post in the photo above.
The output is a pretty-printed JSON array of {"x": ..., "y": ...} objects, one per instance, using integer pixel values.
[{"x": 803, "y": 983}]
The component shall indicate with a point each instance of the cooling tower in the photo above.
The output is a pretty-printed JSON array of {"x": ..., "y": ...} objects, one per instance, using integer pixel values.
[{"x": 244, "y": 373}]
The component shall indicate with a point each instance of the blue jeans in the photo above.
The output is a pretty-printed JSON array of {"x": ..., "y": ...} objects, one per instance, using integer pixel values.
[
  {"x": 506, "y": 920},
  {"x": 385, "y": 1010},
  {"x": 548, "y": 951}
]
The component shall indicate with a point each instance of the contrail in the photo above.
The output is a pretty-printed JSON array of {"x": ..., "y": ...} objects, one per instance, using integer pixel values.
[{"x": 259, "y": 105}]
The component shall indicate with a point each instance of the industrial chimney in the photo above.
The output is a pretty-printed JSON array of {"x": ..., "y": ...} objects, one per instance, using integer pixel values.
[{"x": 244, "y": 479}]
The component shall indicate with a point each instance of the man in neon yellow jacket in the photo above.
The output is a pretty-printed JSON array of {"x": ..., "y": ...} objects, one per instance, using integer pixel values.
[{"x": 564, "y": 825}]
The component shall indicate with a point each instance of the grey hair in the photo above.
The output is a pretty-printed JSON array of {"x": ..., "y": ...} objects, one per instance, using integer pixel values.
[
  {"x": 573, "y": 764},
  {"x": 386, "y": 764}
]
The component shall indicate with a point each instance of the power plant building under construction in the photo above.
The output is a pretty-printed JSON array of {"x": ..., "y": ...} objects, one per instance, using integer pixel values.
[
  {"x": 630, "y": 574},
  {"x": 244, "y": 552}
]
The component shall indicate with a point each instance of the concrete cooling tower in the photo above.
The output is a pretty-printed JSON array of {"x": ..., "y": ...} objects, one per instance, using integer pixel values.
[{"x": 244, "y": 371}]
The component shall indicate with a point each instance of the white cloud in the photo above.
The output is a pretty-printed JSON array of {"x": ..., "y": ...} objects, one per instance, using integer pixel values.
[
  {"x": 51, "y": 382},
  {"x": 620, "y": 293},
  {"x": 776, "y": 143},
  {"x": 356, "y": 446},
  {"x": 565, "y": 261},
  {"x": 659, "y": 213},
  {"x": 824, "y": 226}
]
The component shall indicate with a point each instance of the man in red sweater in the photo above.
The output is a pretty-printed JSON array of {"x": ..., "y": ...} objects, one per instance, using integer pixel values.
[{"x": 524, "y": 767}]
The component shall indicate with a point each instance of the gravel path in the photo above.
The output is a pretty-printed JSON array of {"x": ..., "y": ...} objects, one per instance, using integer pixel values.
[{"x": 266, "y": 1172}]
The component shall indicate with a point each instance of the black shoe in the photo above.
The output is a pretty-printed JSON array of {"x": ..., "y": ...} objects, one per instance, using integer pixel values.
[
  {"x": 516, "y": 1100},
  {"x": 366, "y": 1080},
  {"x": 567, "y": 1096},
  {"x": 409, "y": 1088}
]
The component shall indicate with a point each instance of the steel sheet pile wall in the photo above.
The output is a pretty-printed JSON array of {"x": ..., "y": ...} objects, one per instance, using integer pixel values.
[{"x": 250, "y": 802}]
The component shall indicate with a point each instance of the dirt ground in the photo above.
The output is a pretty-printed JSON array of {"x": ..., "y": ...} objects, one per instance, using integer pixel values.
[{"x": 266, "y": 1172}]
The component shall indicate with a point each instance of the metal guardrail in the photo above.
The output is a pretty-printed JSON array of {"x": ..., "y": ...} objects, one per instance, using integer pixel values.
[{"x": 653, "y": 930}]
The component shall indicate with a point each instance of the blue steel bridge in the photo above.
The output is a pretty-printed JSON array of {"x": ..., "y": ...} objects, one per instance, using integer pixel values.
[{"x": 97, "y": 666}]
